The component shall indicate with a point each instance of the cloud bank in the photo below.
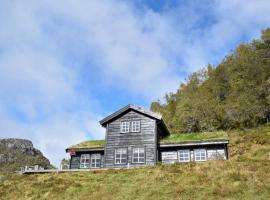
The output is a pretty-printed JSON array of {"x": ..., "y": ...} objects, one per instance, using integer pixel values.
[{"x": 63, "y": 64}]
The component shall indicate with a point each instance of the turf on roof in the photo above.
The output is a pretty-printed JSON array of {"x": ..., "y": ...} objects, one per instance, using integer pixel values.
[
  {"x": 185, "y": 137},
  {"x": 173, "y": 138},
  {"x": 90, "y": 144}
]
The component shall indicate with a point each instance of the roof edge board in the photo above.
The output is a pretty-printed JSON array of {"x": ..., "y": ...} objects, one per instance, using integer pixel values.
[{"x": 133, "y": 107}]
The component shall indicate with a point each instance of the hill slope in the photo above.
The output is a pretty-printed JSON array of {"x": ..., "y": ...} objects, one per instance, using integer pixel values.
[
  {"x": 233, "y": 94},
  {"x": 246, "y": 175},
  {"x": 15, "y": 153}
]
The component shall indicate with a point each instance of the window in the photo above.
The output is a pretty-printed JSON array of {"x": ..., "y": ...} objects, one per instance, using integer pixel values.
[
  {"x": 95, "y": 160},
  {"x": 184, "y": 156},
  {"x": 135, "y": 126},
  {"x": 124, "y": 127},
  {"x": 138, "y": 155},
  {"x": 200, "y": 154},
  {"x": 121, "y": 156},
  {"x": 85, "y": 161}
]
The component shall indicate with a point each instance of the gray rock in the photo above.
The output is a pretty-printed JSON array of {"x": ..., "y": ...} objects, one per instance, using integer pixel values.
[{"x": 16, "y": 153}]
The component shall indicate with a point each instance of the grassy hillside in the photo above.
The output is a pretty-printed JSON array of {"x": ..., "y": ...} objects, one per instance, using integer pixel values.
[
  {"x": 246, "y": 175},
  {"x": 232, "y": 94}
]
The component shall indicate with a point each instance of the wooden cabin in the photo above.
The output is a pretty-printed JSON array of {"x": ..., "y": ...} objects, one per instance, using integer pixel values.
[{"x": 136, "y": 137}]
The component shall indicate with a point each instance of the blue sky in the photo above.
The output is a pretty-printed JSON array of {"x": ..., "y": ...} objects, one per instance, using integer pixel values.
[{"x": 64, "y": 65}]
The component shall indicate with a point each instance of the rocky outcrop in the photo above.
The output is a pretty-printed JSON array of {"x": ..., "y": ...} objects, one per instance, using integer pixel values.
[{"x": 15, "y": 153}]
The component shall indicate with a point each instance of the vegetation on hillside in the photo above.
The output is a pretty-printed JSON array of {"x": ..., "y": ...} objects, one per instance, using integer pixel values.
[
  {"x": 233, "y": 94},
  {"x": 245, "y": 176}
]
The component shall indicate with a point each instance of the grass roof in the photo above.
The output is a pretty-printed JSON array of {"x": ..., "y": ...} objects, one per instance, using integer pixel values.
[
  {"x": 186, "y": 137},
  {"x": 90, "y": 144},
  {"x": 173, "y": 138}
]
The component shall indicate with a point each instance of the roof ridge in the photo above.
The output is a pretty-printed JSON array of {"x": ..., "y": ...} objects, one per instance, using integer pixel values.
[{"x": 134, "y": 107}]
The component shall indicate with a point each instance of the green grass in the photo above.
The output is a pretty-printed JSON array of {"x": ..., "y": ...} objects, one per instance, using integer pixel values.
[
  {"x": 246, "y": 175},
  {"x": 180, "y": 137},
  {"x": 184, "y": 137},
  {"x": 90, "y": 144}
]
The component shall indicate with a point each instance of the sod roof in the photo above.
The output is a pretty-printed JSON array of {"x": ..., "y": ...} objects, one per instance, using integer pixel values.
[
  {"x": 173, "y": 138},
  {"x": 195, "y": 137},
  {"x": 89, "y": 144}
]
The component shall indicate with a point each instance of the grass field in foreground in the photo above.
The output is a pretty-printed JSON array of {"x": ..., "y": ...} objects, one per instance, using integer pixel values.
[{"x": 246, "y": 175}]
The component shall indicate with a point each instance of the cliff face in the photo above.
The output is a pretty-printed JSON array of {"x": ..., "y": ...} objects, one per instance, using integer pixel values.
[{"x": 15, "y": 153}]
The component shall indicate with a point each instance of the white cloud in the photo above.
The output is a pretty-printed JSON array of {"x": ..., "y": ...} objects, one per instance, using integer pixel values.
[
  {"x": 53, "y": 136},
  {"x": 46, "y": 48}
]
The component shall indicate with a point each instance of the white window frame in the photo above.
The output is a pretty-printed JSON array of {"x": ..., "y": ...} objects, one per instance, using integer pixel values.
[
  {"x": 121, "y": 152},
  {"x": 125, "y": 126},
  {"x": 184, "y": 155},
  {"x": 94, "y": 160},
  {"x": 200, "y": 152},
  {"x": 83, "y": 161},
  {"x": 136, "y": 151},
  {"x": 136, "y": 126}
]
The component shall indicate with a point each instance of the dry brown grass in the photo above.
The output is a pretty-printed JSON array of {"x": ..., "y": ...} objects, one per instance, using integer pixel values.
[{"x": 245, "y": 176}]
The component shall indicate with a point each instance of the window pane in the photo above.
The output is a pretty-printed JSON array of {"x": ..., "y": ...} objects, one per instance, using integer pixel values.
[
  {"x": 85, "y": 161},
  {"x": 124, "y": 127},
  {"x": 135, "y": 126},
  {"x": 141, "y": 160},
  {"x": 138, "y": 155},
  {"x": 120, "y": 156},
  {"x": 200, "y": 155},
  {"x": 141, "y": 155},
  {"x": 184, "y": 155}
]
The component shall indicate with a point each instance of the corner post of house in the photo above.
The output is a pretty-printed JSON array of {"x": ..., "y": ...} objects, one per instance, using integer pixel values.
[{"x": 105, "y": 146}]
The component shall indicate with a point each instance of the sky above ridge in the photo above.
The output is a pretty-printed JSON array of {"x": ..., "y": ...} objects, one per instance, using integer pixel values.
[{"x": 64, "y": 65}]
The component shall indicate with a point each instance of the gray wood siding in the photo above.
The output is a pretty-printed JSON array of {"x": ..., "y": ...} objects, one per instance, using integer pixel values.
[
  {"x": 75, "y": 162},
  {"x": 170, "y": 155},
  {"x": 145, "y": 138}
]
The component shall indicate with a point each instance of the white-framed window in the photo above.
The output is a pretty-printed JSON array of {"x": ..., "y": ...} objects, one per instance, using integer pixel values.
[
  {"x": 85, "y": 161},
  {"x": 135, "y": 126},
  {"x": 124, "y": 127},
  {"x": 184, "y": 155},
  {"x": 138, "y": 155},
  {"x": 200, "y": 154},
  {"x": 121, "y": 156},
  {"x": 95, "y": 160}
]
